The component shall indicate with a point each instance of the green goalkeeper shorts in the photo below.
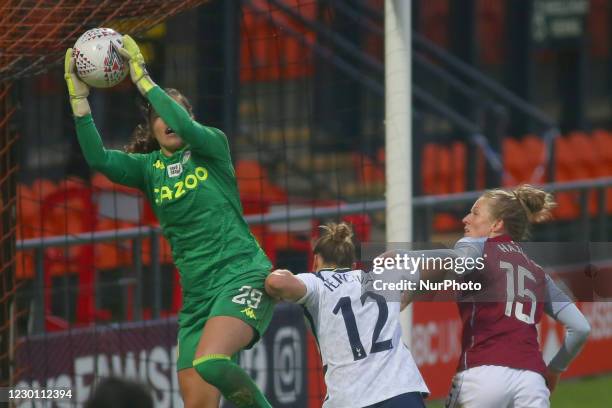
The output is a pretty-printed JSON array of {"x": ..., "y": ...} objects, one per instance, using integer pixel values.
[{"x": 246, "y": 300}]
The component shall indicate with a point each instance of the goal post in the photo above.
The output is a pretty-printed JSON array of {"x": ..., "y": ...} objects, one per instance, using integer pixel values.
[{"x": 398, "y": 130}]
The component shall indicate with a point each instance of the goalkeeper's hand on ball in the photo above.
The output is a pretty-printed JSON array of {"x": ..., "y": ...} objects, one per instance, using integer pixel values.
[
  {"x": 138, "y": 71},
  {"x": 77, "y": 89}
]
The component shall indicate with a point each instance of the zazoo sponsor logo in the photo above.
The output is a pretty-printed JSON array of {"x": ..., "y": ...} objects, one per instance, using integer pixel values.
[{"x": 180, "y": 188}]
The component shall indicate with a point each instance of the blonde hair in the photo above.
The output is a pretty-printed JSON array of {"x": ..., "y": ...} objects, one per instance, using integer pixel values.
[
  {"x": 519, "y": 208},
  {"x": 335, "y": 245}
]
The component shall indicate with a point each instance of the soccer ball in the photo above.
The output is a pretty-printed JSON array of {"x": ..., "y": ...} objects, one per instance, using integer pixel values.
[{"x": 97, "y": 59}]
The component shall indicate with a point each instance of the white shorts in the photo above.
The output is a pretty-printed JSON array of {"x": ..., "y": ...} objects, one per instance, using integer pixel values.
[{"x": 498, "y": 387}]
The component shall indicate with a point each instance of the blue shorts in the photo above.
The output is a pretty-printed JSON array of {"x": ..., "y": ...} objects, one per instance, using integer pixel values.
[{"x": 407, "y": 400}]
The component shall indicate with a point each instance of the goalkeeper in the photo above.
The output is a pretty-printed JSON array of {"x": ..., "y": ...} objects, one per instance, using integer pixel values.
[{"x": 186, "y": 173}]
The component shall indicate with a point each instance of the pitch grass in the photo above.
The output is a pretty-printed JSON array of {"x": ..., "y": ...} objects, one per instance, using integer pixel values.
[{"x": 591, "y": 392}]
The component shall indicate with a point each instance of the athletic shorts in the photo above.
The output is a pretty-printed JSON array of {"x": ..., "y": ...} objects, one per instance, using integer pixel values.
[
  {"x": 407, "y": 400},
  {"x": 495, "y": 386},
  {"x": 245, "y": 299}
]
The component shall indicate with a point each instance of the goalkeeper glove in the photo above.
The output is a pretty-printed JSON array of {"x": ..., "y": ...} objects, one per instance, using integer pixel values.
[
  {"x": 138, "y": 71},
  {"x": 77, "y": 89}
]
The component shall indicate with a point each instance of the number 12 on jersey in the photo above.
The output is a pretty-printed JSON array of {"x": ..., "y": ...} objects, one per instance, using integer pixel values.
[{"x": 344, "y": 305}]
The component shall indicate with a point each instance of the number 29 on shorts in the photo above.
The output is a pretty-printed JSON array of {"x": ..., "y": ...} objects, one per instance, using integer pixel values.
[{"x": 249, "y": 296}]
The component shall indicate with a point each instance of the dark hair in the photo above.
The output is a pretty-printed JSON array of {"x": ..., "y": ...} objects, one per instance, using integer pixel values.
[
  {"x": 335, "y": 245},
  {"x": 142, "y": 140},
  {"x": 519, "y": 208},
  {"x": 119, "y": 393}
]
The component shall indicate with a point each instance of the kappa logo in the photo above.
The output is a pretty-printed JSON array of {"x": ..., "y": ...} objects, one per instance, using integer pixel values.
[
  {"x": 159, "y": 165},
  {"x": 249, "y": 312}
]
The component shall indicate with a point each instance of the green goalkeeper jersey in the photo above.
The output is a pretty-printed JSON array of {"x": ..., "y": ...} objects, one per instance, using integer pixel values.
[{"x": 194, "y": 196}]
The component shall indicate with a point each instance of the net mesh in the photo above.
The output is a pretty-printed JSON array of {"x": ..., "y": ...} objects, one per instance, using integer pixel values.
[
  {"x": 33, "y": 37},
  {"x": 8, "y": 284},
  {"x": 34, "y": 34},
  {"x": 304, "y": 134},
  {"x": 297, "y": 86}
]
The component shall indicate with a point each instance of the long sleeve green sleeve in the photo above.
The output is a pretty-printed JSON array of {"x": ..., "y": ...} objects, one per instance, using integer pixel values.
[
  {"x": 206, "y": 141},
  {"x": 120, "y": 167}
]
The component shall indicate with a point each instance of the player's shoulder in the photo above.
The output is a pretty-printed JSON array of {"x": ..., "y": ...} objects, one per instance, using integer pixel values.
[
  {"x": 310, "y": 276},
  {"x": 332, "y": 278},
  {"x": 503, "y": 245},
  {"x": 151, "y": 160},
  {"x": 472, "y": 240}
]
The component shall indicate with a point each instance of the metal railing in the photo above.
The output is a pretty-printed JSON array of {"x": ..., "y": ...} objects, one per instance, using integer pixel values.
[{"x": 424, "y": 210}]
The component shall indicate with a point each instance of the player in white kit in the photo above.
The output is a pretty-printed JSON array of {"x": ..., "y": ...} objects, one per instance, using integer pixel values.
[{"x": 365, "y": 361}]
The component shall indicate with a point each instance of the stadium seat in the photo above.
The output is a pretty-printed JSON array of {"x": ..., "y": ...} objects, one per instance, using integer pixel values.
[
  {"x": 458, "y": 167},
  {"x": 113, "y": 254},
  {"x": 573, "y": 164},
  {"x": 444, "y": 171},
  {"x": 31, "y": 220},
  {"x": 368, "y": 171},
  {"x": 535, "y": 151},
  {"x": 602, "y": 140},
  {"x": 72, "y": 211},
  {"x": 27, "y": 214},
  {"x": 256, "y": 189},
  {"x": 361, "y": 224},
  {"x": 585, "y": 154},
  {"x": 119, "y": 254},
  {"x": 428, "y": 168},
  {"x": 446, "y": 222},
  {"x": 515, "y": 160},
  {"x": 380, "y": 155},
  {"x": 567, "y": 202}
]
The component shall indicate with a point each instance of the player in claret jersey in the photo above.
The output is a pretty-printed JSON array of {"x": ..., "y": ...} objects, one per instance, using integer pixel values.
[
  {"x": 359, "y": 335},
  {"x": 501, "y": 364}
]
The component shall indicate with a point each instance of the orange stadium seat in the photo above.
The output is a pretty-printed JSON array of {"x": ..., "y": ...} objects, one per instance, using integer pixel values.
[
  {"x": 112, "y": 254},
  {"x": 568, "y": 205},
  {"x": 33, "y": 225},
  {"x": 380, "y": 155},
  {"x": 515, "y": 160},
  {"x": 444, "y": 171},
  {"x": 27, "y": 214},
  {"x": 71, "y": 211},
  {"x": 368, "y": 171},
  {"x": 458, "y": 167},
  {"x": 450, "y": 177},
  {"x": 68, "y": 211},
  {"x": 585, "y": 154},
  {"x": 31, "y": 220},
  {"x": 534, "y": 149},
  {"x": 256, "y": 189},
  {"x": 602, "y": 139},
  {"x": 361, "y": 224},
  {"x": 24, "y": 267},
  {"x": 589, "y": 161},
  {"x": 428, "y": 168}
]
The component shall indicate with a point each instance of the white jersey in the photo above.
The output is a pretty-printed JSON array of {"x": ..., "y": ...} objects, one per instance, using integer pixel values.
[{"x": 359, "y": 336}]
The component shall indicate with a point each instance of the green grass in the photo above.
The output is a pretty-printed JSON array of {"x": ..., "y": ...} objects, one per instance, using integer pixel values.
[{"x": 593, "y": 392}]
